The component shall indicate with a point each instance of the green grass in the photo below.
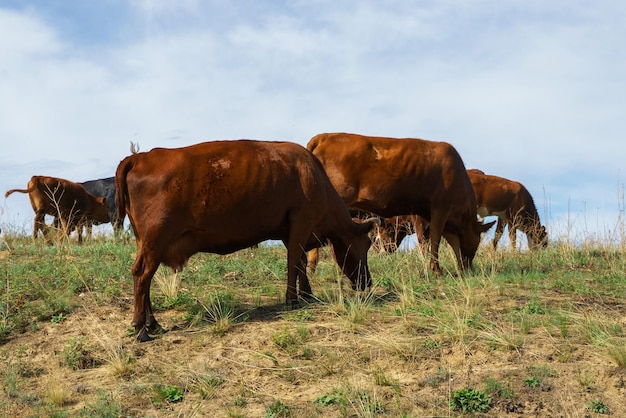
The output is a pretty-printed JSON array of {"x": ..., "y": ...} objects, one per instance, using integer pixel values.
[{"x": 567, "y": 298}]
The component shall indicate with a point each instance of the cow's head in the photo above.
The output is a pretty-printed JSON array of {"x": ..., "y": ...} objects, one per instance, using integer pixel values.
[
  {"x": 101, "y": 211},
  {"x": 538, "y": 237},
  {"x": 470, "y": 241},
  {"x": 350, "y": 252}
]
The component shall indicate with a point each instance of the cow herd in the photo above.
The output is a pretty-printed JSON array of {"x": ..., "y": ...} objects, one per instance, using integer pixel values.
[{"x": 223, "y": 196}]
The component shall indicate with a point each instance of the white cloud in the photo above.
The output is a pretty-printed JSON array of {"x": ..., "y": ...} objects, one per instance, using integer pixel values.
[{"x": 532, "y": 91}]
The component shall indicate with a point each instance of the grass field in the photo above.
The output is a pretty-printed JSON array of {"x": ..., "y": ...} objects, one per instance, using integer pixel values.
[{"x": 527, "y": 334}]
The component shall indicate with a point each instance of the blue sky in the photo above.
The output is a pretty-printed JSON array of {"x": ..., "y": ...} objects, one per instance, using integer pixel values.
[{"x": 529, "y": 90}]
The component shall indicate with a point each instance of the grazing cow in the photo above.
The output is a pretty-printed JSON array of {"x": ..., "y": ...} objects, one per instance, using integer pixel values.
[
  {"x": 102, "y": 188},
  {"x": 399, "y": 176},
  {"x": 223, "y": 196},
  {"x": 106, "y": 188},
  {"x": 64, "y": 199},
  {"x": 512, "y": 203},
  {"x": 393, "y": 231},
  {"x": 387, "y": 237}
]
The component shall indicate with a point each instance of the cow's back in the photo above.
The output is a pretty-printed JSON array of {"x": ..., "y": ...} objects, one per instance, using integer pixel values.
[
  {"x": 496, "y": 193},
  {"x": 394, "y": 176},
  {"x": 227, "y": 194}
]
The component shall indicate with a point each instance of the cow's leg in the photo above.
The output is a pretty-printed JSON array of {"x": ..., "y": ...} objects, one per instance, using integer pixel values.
[
  {"x": 79, "y": 231},
  {"x": 455, "y": 243},
  {"x": 296, "y": 273},
  {"x": 499, "y": 230},
  {"x": 304, "y": 287},
  {"x": 40, "y": 225},
  {"x": 297, "y": 258},
  {"x": 36, "y": 226},
  {"x": 293, "y": 261},
  {"x": 143, "y": 319},
  {"x": 513, "y": 236},
  {"x": 152, "y": 325},
  {"x": 437, "y": 223},
  {"x": 313, "y": 257}
]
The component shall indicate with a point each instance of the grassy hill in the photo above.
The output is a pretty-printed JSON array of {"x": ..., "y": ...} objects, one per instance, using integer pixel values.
[{"x": 527, "y": 334}]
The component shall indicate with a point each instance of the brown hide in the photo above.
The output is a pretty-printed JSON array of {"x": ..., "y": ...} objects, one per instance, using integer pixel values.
[
  {"x": 222, "y": 196},
  {"x": 512, "y": 203},
  {"x": 66, "y": 200},
  {"x": 399, "y": 176}
]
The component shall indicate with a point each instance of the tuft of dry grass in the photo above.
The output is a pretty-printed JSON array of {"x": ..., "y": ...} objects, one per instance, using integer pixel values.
[
  {"x": 616, "y": 349},
  {"x": 499, "y": 337},
  {"x": 56, "y": 392},
  {"x": 167, "y": 282}
]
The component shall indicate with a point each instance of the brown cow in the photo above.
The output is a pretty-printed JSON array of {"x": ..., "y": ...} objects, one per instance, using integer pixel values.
[
  {"x": 223, "y": 196},
  {"x": 392, "y": 232},
  {"x": 387, "y": 237},
  {"x": 66, "y": 200},
  {"x": 512, "y": 203},
  {"x": 399, "y": 176}
]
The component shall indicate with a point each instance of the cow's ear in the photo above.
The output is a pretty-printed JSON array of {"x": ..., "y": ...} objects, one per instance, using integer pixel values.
[{"x": 482, "y": 228}]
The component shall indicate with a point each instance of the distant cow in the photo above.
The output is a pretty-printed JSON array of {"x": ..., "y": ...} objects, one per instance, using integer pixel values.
[
  {"x": 399, "y": 176},
  {"x": 393, "y": 231},
  {"x": 102, "y": 188},
  {"x": 387, "y": 237},
  {"x": 512, "y": 203},
  {"x": 223, "y": 196},
  {"x": 64, "y": 199},
  {"x": 106, "y": 188}
]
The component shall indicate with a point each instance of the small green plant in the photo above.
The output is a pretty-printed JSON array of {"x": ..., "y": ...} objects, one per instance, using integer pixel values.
[
  {"x": 533, "y": 307},
  {"x": 469, "y": 400},
  {"x": 291, "y": 342},
  {"x": 363, "y": 403},
  {"x": 171, "y": 394},
  {"x": 538, "y": 373},
  {"x": 336, "y": 397},
  {"x": 302, "y": 315},
  {"x": 597, "y": 407},
  {"x": 57, "y": 319},
  {"x": 532, "y": 381},
  {"x": 277, "y": 410},
  {"x": 494, "y": 388},
  {"x": 76, "y": 355},
  {"x": 240, "y": 401}
]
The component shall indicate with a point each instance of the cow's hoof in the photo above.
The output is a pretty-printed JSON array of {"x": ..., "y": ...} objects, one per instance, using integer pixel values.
[
  {"x": 143, "y": 336},
  {"x": 156, "y": 329},
  {"x": 292, "y": 304},
  {"x": 307, "y": 297}
]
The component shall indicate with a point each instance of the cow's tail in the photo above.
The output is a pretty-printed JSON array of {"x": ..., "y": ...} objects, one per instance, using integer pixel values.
[
  {"x": 16, "y": 190},
  {"x": 31, "y": 187},
  {"x": 121, "y": 188}
]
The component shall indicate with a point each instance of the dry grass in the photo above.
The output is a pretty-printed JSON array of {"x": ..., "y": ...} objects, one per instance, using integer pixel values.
[{"x": 401, "y": 349}]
